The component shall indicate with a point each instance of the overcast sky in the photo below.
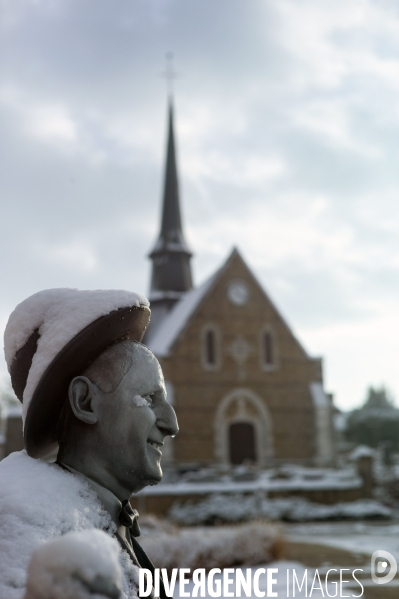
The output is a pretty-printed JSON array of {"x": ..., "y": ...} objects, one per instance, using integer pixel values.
[{"x": 287, "y": 118}]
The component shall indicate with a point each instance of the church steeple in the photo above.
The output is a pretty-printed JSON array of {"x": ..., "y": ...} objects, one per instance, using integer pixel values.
[{"x": 171, "y": 270}]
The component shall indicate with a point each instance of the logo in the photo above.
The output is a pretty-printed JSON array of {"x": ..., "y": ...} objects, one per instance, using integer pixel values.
[{"x": 380, "y": 561}]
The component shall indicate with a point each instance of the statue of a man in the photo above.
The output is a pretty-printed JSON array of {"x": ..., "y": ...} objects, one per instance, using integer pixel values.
[{"x": 94, "y": 400}]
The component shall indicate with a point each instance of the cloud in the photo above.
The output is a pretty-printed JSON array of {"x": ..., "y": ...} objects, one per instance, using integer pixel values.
[
  {"x": 46, "y": 122},
  {"x": 74, "y": 256}
]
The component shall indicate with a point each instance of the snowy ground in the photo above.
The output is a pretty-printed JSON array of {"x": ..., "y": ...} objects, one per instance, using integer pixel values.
[
  {"x": 242, "y": 480},
  {"x": 237, "y": 507},
  {"x": 362, "y": 537},
  {"x": 358, "y": 541}
]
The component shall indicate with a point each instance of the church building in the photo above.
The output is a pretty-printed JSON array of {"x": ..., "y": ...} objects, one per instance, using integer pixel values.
[{"x": 244, "y": 389}]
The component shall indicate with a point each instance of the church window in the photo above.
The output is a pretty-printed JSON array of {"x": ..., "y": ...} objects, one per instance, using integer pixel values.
[
  {"x": 210, "y": 348},
  {"x": 268, "y": 349}
]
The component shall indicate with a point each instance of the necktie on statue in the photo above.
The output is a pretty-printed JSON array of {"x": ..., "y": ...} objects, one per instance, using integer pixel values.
[{"x": 130, "y": 518}]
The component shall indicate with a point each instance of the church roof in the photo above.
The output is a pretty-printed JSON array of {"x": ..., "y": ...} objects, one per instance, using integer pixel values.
[
  {"x": 167, "y": 331},
  {"x": 162, "y": 340}
]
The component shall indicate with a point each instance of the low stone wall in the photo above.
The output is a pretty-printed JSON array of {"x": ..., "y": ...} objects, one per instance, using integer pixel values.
[
  {"x": 160, "y": 504},
  {"x": 324, "y": 496}
]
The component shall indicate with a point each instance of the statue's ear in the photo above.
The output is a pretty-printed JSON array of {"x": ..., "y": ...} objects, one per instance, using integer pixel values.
[{"x": 81, "y": 394}]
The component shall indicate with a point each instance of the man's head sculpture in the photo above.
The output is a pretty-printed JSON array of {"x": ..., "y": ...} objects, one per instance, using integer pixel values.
[{"x": 88, "y": 386}]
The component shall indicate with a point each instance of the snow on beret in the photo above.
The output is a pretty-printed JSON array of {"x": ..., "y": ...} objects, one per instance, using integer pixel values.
[{"x": 58, "y": 315}]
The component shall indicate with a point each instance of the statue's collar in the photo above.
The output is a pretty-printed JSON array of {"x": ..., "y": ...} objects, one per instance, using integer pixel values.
[{"x": 107, "y": 498}]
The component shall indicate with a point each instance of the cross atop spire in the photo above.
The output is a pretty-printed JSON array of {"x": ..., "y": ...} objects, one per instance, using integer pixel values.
[{"x": 170, "y": 74}]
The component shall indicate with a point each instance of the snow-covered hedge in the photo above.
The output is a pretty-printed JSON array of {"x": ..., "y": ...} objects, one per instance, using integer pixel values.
[
  {"x": 216, "y": 547},
  {"x": 239, "y": 508}
]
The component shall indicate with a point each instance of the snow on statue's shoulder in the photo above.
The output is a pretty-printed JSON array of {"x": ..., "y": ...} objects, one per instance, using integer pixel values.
[
  {"x": 39, "y": 502},
  {"x": 77, "y": 564},
  {"x": 58, "y": 315}
]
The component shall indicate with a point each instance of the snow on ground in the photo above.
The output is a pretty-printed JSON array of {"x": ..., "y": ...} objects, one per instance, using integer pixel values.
[
  {"x": 239, "y": 507},
  {"x": 361, "y": 537},
  {"x": 356, "y": 537},
  {"x": 287, "y": 478}
]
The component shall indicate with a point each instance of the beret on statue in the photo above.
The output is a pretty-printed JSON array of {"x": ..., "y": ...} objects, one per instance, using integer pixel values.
[{"x": 53, "y": 336}]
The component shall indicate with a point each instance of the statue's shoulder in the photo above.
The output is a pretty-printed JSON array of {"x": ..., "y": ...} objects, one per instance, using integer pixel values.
[
  {"x": 37, "y": 491},
  {"x": 39, "y": 502},
  {"x": 21, "y": 473},
  {"x": 18, "y": 470}
]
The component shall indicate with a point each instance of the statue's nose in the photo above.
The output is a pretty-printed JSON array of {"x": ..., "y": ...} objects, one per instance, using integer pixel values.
[{"x": 166, "y": 419}]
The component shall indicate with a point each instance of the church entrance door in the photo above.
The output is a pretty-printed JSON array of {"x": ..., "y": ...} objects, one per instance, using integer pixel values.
[{"x": 242, "y": 446}]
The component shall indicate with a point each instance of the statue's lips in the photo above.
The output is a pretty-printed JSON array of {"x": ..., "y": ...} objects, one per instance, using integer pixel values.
[{"x": 156, "y": 445}]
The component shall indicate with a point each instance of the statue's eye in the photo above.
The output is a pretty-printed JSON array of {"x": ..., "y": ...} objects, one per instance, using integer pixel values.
[
  {"x": 144, "y": 401},
  {"x": 149, "y": 398}
]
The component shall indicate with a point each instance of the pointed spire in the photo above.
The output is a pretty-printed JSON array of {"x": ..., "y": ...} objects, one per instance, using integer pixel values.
[
  {"x": 171, "y": 229},
  {"x": 171, "y": 270}
]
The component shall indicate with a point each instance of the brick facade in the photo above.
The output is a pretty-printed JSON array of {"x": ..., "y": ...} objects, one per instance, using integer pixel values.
[{"x": 238, "y": 386}]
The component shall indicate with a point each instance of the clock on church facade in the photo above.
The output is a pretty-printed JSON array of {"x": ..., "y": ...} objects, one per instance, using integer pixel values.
[{"x": 243, "y": 387}]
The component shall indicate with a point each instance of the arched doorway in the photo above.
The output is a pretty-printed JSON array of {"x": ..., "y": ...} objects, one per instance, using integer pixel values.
[
  {"x": 242, "y": 443},
  {"x": 243, "y": 429}
]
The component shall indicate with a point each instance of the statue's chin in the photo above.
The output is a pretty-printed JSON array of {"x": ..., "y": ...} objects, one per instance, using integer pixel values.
[
  {"x": 156, "y": 479},
  {"x": 151, "y": 479}
]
